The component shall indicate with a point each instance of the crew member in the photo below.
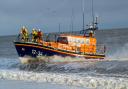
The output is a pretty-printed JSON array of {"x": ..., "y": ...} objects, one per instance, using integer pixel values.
[
  {"x": 91, "y": 34},
  {"x": 34, "y": 35},
  {"x": 24, "y": 34},
  {"x": 40, "y": 34}
]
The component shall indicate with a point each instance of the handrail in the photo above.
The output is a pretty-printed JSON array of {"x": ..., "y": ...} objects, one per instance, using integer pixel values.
[{"x": 101, "y": 49}]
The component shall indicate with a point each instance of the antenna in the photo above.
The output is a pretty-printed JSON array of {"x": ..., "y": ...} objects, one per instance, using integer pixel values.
[
  {"x": 59, "y": 28},
  {"x": 72, "y": 24},
  {"x": 83, "y": 13},
  {"x": 93, "y": 18}
]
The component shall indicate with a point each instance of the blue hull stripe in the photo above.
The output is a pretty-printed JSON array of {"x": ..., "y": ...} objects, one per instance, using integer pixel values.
[{"x": 34, "y": 50}]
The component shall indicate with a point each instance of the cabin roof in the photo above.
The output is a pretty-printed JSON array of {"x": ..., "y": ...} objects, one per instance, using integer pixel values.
[{"x": 73, "y": 36}]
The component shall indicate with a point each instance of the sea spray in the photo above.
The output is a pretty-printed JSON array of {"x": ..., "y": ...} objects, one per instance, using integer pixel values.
[
  {"x": 121, "y": 54},
  {"x": 102, "y": 67}
]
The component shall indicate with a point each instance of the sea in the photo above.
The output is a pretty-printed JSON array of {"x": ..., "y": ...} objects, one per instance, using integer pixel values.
[{"x": 109, "y": 74}]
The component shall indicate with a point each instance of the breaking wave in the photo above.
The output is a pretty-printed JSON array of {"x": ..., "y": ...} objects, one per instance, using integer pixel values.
[{"x": 69, "y": 79}]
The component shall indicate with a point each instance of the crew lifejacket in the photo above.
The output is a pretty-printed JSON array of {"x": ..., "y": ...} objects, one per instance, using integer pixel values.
[
  {"x": 34, "y": 33},
  {"x": 39, "y": 34}
]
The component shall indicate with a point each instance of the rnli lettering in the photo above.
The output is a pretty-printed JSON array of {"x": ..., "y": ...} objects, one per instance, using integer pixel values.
[
  {"x": 37, "y": 52},
  {"x": 34, "y": 52},
  {"x": 40, "y": 53}
]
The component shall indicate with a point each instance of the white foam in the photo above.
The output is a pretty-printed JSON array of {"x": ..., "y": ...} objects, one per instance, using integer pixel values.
[{"x": 69, "y": 79}]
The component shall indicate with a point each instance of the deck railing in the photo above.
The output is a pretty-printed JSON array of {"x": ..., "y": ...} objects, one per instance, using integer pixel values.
[{"x": 100, "y": 49}]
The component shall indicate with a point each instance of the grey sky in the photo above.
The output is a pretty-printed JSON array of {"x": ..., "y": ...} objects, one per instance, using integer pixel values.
[{"x": 47, "y": 14}]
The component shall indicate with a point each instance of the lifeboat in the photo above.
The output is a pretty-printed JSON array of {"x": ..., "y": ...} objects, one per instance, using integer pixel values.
[{"x": 82, "y": 46}]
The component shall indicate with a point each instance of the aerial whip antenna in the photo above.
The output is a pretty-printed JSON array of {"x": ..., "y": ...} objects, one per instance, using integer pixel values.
[
  {"x": 93, "y": 18},
  {"x": 59, "y": 28},
  {"x": 83, "y": 13},
  {"x": 72, "y": 24}
]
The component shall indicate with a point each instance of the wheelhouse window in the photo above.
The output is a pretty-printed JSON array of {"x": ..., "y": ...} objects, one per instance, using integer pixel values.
[{"x": 62, "y": 40}]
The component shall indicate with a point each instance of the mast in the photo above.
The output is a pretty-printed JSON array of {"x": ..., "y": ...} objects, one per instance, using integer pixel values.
[
  {"x": 59, "y": 27},
  {"x": 72, "y": 24},
  {"x": 83, "y": 13},
  {"x": 93, "y": 18}
]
